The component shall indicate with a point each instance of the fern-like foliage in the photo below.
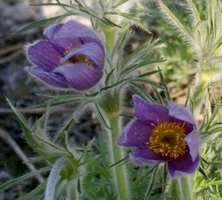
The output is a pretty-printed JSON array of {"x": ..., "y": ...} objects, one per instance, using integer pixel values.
[{"x": 204, "y": 35}]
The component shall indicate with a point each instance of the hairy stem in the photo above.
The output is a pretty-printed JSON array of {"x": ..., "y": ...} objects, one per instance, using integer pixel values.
[
  {"x": 111, "y": 106},
  {"x": 183, "y": 188},
  {"x": 116, "y": 154},
  {"x": 73, "y": 193}
]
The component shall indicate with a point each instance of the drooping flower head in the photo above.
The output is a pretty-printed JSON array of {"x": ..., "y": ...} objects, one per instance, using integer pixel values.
[
  {"x": 70, "y": 55},
  {"x": 160, "y": 133}
]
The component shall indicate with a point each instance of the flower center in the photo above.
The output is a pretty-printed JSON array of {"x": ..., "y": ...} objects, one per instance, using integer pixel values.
[
  {"x": 80, "y": 58},
  {"x": 167, "y": 139}
]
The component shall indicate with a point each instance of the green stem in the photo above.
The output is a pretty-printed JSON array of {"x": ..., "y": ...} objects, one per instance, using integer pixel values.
[
  {"x": 116, "y": 154},
  {"x": 182, "y": 187},
  {"x": 73, "y": 193},
  {"x": 111, "y": 106}
]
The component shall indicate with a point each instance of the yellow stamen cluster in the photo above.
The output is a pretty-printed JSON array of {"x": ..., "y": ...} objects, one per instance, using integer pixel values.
[
  {"x": 80, "y": 58},
  {"x": 167, "y": 139}
]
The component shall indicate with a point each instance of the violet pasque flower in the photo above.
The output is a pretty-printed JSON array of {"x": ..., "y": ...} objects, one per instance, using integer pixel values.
[
  {"x": 160, "y": 133},
  {"x": 70, "y": 55}
]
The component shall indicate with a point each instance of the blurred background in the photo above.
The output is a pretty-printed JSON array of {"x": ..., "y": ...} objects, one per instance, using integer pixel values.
[{"x": 24, "y": 92}]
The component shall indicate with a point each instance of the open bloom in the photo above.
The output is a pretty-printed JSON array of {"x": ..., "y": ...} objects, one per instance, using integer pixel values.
[
  {"x": 162, "y": 134},
  {"x": 70, "y": 55}
]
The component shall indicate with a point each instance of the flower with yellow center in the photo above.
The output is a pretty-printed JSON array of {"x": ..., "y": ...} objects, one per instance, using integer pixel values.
[{"x": 160, "y": 133}]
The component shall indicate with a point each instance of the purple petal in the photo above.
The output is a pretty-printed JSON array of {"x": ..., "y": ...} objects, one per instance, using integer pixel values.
[
  {"x": 49, "y": 78},
  {"x": 192, "y": 140},
  {"x": 180, "y": 113},
  {"x": 43, "y": 54},
  {"x": 135, "y": 133},
  {"x": 92, "y": 51},
  {"x": 149, "y": 112},
  {"x": 51, "y": 30},
  {"x": 74, "y": 30},
  {"x": 64, "y": 45},
  {"x": 79, "y": 76},
  {"x": 183, "y": 165},
  {"x": 144, "y": 156}
]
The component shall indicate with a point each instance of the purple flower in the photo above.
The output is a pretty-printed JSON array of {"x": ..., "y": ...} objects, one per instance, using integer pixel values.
[
  {"x": 70, "y": 55},
  {"x": 162, "y": 134}
]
